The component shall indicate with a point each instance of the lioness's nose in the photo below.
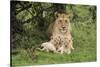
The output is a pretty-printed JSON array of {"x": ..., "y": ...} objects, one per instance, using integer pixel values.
[{"x": 63, "y": 27}]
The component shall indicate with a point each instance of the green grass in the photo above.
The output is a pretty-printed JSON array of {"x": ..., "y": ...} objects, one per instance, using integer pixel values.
[{"x": 84, "y": 38}]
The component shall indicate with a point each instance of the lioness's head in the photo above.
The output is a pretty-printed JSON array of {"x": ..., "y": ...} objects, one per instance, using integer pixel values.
[{"x": 62, "y": 22}]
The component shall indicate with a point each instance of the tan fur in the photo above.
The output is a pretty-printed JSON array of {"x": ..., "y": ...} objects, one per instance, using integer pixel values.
[
  {"x": 48, "y": 46},
  {"x": 56, "y": 41}
]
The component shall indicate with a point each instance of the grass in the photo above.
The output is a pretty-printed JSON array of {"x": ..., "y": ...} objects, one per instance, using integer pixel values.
[{"x": 84, "y": 38}]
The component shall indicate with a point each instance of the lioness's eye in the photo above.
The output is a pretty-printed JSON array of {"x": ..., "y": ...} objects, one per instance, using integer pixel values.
[
  {"x": 60, "y": 20},
  {"x": 65, "y": 20}
]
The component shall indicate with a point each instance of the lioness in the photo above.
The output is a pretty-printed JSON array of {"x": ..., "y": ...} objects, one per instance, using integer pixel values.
[{"x": 62, "y": 26}]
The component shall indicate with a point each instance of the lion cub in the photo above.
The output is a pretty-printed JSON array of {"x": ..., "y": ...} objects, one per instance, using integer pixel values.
[{"x": 48, "y": 46}]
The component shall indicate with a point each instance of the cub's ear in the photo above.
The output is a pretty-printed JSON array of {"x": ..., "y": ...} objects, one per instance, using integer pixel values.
[{"x": 57, "y": 14}]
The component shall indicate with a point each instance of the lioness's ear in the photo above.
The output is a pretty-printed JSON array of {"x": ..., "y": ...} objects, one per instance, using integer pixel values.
[
  {"x": 57, "y": 14},
  {"x": 69, "y": 15}
]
